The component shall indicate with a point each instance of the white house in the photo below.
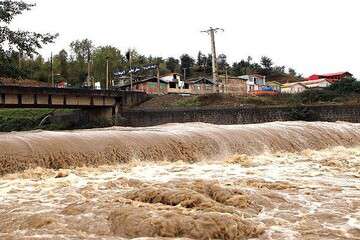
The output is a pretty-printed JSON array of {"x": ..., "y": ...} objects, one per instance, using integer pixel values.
[
  {"x": 254, "y": 82},
  {"x": 296, "y": 87},
  {"x": 321, "y": 83}
]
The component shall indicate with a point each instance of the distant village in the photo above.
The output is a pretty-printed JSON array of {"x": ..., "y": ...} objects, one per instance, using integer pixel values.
[{"x": 252, "y": 85}]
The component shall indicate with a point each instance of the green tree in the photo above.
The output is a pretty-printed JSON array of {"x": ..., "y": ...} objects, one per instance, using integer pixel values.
[
  {"x": 82, "y": 50},
  {"x": 187, "y": 63},
  {"x": 222, "y": 62},
  {"x": 292, "y": 72},
  {"x": 22, "y": 42},
  {"x": 116, "y": 62},
  {"x": 266, "y": 62},
  {"x": 63, "y": 64},
  {"x": 172, "y": 64}
]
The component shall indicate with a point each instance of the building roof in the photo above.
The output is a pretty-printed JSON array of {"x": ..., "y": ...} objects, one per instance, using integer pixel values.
[
  {"x": 312, "y": 82},
  {"x": 288, "y": 85},
  {"x": 232, "y": 77},
  {"x": 330, "y": 75},
  {"x": 170, "y": 77},
  {"x": 273, "y": 82},
  {"x": 143, "y": 80},
  {"x": 197, "y": 80},
  {"x": 335, "y": 74},
  {"x": 249, "y": 75}
]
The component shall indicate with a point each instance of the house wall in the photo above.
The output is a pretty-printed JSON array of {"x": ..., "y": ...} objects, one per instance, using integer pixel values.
[
  {"x": 293, "y": 89},
  {"x": 323, "y": 84},
  {"x": 275, "y": 87},
  {"x": 178, "y": 89},
  {"x": 234, "y": 86},
  {"x": 202, "y": 88},
  {"x": 254, "y": 83},
  {"x": 150, "y": 87}
]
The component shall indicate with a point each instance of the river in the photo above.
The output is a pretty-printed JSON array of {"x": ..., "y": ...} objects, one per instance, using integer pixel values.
[{"x": 289, "y": 180}]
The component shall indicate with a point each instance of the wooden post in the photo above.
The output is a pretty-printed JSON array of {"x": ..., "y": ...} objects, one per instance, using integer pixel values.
[{"x": 107, "y": 74}]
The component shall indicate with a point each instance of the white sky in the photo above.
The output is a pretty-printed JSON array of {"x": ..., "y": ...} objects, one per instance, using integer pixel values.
[{"x": 312, "y": 36}]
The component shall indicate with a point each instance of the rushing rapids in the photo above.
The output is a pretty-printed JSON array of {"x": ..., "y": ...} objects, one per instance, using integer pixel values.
[
  {"x": 291, "y": 180},
  {"x": 187, "y": 142}
]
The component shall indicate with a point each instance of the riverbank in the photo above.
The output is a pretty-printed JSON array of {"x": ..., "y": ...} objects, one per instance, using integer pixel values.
[{"x": 47, "y": 119}]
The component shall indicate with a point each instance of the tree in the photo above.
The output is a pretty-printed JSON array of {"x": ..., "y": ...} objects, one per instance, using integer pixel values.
[
  {"x": 172, "y": 64},
  {"x": 187, "y": 63},
  {"x": 266, "y": 62},
  {"x": 101, "y": 55},
  {"x": 82, "y": 50},
  {"x": 63, "y": 63},
  {"x": 23, "y": 41},
  {"x": 292, "y": 72},
  {"x": 222, "y": 62},
  {"x": 17, "y": 42}
]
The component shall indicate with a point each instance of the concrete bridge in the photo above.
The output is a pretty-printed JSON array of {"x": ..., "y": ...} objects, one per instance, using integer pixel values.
[{"x": 98, "y": 103}]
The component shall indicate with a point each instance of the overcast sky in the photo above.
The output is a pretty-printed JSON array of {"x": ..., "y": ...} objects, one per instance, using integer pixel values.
[{"x": 312, "y": 36}]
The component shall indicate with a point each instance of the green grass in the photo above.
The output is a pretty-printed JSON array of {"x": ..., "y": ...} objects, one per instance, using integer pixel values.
[
  {"x": 190, "y": 102},
  {"x": 23, "y": 119},
  {"x": 28, "y": 113}
]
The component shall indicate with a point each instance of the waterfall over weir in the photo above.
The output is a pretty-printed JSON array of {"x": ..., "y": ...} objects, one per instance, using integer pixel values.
[{"x": 172, "y": 142}]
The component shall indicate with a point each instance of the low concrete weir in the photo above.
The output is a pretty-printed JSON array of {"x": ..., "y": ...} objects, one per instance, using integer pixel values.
[{"x": 245, "y": 115}]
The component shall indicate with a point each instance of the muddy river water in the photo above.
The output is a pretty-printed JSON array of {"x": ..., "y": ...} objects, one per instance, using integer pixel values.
[{"x": 290, "y": 180}]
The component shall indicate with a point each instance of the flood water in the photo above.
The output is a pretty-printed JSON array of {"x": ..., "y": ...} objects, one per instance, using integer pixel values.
[{"x": 290, "y": 180}]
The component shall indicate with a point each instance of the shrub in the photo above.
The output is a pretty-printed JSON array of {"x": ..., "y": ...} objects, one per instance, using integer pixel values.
[
  {"x": 302, "y": 114},
  {"x": 316, "y": 95},
  {"x": 346, "y": 85}
]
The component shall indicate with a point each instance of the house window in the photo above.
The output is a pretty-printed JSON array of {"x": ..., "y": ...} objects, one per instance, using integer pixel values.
[
  {"x": 186, "y": 86},
  {"x": 172, "y": 85}
]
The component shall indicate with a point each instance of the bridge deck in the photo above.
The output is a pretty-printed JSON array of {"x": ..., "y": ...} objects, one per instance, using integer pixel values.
[{"x": 41, "y": 97}]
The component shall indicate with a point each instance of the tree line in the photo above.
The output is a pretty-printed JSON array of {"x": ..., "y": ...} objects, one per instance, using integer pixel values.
[{"x": 19, "y": 57}]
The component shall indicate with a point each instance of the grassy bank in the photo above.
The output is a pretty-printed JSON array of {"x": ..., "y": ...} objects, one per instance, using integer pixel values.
[
  {"x": 24, "y": 119},
  {"x": 30, "y": 119}
]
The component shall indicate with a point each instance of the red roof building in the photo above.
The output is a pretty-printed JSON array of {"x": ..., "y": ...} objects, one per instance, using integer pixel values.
[{"x": 332, "y": 77}]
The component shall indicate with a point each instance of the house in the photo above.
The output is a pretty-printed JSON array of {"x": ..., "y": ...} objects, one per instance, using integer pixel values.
[
  {"x": 275, "y": 86},
  {"x": 201, "y": 86},
  {"x": 175, "y": 84},
  {"x": 61, "y": 84},
  {"x": 148, "y": 85},
  {"x": 332, "y": 77},
  {"x": 296, "y": 87},
  {"x": 320, "y": 83},
  {"x": 232, "y": 85},
  {"x": 254, "y": 82}
]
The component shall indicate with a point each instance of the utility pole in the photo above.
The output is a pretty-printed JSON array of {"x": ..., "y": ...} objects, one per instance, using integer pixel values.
[
  {"x": 158, "y": 79},
  {"x": 129, "y": 58},
  {"x": 184, "y": 74},
  {"x": 211, "y": 31},
  {"x": 52, "y": 71},
  {"x": 107, "y": 74},
  {"x": 88, "y": 80}
]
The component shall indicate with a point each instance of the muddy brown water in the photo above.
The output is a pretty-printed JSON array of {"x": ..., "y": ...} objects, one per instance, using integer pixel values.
[{"x": 291, "y": 180}]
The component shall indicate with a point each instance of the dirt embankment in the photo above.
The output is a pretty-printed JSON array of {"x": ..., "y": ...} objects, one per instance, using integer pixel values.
[
  {"x": 22, "y": 82},
  {"x": 172, "y": 101}
]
